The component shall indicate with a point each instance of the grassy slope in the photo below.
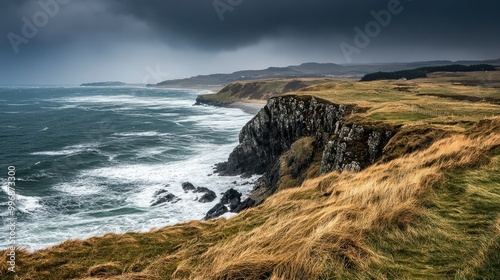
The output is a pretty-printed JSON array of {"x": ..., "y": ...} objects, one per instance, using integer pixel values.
[
  {"x": 408, "y": 101},
  {"x": 432, "y": 214},
  {"x": 259, "y": 90}
]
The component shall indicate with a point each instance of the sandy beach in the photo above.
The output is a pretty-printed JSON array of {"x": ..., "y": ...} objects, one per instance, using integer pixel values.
[{"x": 249, "y": 107}]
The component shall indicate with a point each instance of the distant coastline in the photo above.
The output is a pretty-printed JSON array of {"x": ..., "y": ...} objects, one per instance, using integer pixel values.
[{"x": 104, "y": 84}]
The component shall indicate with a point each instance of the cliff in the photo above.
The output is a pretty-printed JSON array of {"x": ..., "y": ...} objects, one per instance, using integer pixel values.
[
  {"x": 297, "y": 135},
  {"x": 257, "y": 90}
]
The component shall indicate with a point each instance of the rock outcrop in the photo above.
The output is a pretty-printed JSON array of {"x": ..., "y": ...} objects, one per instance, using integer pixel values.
[
  {"x": 187, "y": 186},
  {"x": 354, "y": 147},
  {"x": 229, "y": 202},
  {"x": 163, "y": 196},
  {"x": 208, "y": 195},
  {"x": 280, "y": 123},
  {"x": 337, "y": 144}
]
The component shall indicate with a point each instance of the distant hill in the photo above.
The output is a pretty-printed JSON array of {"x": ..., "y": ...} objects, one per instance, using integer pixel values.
[
  {"x": 423, "y": 71},
  {"x": 307, "y": 70},
  {"x": 104, "y": 84}
]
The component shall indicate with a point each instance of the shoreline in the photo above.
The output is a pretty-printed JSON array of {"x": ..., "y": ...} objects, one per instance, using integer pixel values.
[
  {"x": 215, "y": 88},
  {"x": 247, "y": 106}
]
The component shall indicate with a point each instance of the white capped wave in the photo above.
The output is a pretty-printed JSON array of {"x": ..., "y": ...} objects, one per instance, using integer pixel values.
[
  {"x": 168, "y": 114},
  {"x": 25, "y": 204},
  {"x": 220, "y": 120},
  {"x": 80, "y": 187},
  {"x": 151, "y": 152},
  {"x": 143, "y": 134},
  {"x": 28, "y": 204},
  {"x": 125, "y": 99},
  {"x": 133, "y": 185},
  {"x": 69, "y": 150},
  {"x": 67, "y": 106},
  {"x": 151, "y": 177}
]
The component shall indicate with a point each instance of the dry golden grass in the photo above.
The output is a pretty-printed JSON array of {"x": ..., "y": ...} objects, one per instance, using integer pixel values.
[
  {"x": 433, "y": 214},
  {"x": 333, "y": 231},
  {"x": 412, "y": 102}
]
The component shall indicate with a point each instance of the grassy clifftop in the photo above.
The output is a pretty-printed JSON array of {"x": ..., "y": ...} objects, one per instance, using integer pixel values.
[
  {"x": 429, "y": 210},
  {"x": 256, "y": 91},
  {"x": 443, "y": 98}
]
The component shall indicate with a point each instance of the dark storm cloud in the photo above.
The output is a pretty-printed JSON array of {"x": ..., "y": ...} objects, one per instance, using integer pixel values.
[
  {"x": 196, "y": 23},
  {"x": 104, "y": 33}
]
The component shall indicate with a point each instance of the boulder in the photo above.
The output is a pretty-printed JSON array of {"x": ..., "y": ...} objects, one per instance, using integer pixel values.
[
  {"x": 188, "y": 187},
  {"x": 218, "y": 210},
  {"x": 202, "y": 190},
  {"x": 232, "y": 198},
  {"x": 163, "y": 196},
  {"x": 247, "y": 203},
  {"x": 158, "y": 192},
  {"x": 208, "y": 197},
  {"x": 229, "y": 202}
]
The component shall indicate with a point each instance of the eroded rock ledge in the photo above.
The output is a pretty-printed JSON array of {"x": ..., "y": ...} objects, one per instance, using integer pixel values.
[{"x": 272, "y": 143}]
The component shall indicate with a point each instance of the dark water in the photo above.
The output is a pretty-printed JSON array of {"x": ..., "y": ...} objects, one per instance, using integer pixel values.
[{"x": 89, "y": 160}]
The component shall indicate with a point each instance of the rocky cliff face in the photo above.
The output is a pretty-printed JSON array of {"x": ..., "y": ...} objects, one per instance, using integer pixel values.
[
  {"x": 354, "y": 147},
  {"x": 280, "y": 123},
  {"x": 287, "y": 119}
]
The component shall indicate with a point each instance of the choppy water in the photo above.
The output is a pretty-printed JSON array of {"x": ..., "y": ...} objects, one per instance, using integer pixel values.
[{"x": 89, "y": 160}]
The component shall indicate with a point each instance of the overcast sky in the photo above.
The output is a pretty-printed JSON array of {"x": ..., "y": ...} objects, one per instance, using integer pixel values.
[{"x": 76, "y": 41}]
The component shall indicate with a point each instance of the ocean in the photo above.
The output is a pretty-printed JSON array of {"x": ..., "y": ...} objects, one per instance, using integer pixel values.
[{"x": 89, "y": 159}]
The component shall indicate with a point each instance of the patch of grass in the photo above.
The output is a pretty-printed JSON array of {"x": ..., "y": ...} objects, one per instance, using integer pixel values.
[
  {"x": 456, "y": 239},
  {"x": 259, "y": 90},
  {"x": 295, "y": 162},
  {"x": 412, "y": 101},
  {"x": 399, "y": 117}
]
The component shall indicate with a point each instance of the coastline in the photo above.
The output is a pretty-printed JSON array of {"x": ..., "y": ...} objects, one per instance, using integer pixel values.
[
  {"x": 215, "y": 88},
  {"x": 248, "y": 106}
]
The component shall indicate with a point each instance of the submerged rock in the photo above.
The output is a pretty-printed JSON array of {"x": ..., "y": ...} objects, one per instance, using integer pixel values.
[
  {"x": 229, "y": 202},
  {"x": 158, "y": 192},
  {"x": 188, "y": 186},
  {"x": 163, "y": 196},
  {"x": 208, "y": 197}
]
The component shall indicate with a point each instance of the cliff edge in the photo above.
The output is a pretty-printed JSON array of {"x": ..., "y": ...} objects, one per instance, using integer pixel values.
[{"x": 297, "y": 137}]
